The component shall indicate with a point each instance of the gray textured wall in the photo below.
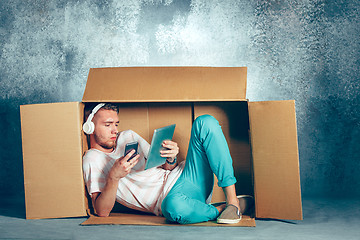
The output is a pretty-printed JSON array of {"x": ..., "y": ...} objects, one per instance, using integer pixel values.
[{"x": 302, "y": 50}]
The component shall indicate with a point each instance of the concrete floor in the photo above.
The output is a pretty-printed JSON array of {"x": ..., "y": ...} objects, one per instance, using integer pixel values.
[{"x": 323, "y": 219}]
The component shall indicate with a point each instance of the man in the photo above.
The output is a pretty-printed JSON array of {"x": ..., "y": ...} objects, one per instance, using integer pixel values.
[{"x": 180, "y": 192}]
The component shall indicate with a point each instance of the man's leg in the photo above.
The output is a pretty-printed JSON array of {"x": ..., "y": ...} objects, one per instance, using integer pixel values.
[{"x": 208, "y": 153}]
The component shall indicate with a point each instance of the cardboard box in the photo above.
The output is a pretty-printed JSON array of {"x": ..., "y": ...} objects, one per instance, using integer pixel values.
[{"x": 262, "y": 136}]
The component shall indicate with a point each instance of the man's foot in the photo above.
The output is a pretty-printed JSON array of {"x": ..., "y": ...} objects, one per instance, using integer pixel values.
[{"x": 230, "y": 215}]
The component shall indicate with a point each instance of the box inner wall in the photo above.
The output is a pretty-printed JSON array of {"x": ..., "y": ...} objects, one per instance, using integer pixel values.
[{"x": 144, "y": 118}]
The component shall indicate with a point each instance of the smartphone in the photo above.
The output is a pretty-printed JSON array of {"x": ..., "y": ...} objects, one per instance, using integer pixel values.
[{"x": 129, "y": 147}]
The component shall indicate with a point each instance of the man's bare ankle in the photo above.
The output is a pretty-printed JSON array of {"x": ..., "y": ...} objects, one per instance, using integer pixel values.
[
  {"x": 235, "y": 203},
  {"x": 221, "y": 207}
]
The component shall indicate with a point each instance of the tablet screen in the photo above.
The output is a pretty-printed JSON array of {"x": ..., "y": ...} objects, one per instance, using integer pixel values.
[{"x": 160, "y": 134}]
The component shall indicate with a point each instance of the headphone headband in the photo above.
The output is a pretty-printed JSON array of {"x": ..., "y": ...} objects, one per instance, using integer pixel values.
[{"x": 94, "y": 111}]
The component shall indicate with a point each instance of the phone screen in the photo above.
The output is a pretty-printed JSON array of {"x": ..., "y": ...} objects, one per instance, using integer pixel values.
[{"x": 129, "y": 147}]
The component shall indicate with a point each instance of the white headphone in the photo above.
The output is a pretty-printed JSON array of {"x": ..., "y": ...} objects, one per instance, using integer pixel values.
[{"x": 89, "y": 126}]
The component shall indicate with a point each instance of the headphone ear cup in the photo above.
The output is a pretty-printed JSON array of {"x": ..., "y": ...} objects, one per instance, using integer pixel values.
[
  {"x": 88, "y": 127},
  {"x": 92, "y": 127}
]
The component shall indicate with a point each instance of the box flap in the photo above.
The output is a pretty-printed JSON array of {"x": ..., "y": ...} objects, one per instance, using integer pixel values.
[
  {"x": 52, "y": 157},
  {"x": 169, "y": 84},
  {"x": 275, "y": 159}
]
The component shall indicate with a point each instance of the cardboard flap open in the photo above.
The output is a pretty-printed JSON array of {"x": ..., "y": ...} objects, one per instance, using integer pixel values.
[
  {"x": 169, "y": 84},
  {"x": 51, "y": 140},
  {"x": 275, "y": 159}
]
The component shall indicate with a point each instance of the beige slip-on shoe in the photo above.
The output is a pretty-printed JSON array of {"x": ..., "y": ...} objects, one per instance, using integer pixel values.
[{"x": 230, "y": 215}]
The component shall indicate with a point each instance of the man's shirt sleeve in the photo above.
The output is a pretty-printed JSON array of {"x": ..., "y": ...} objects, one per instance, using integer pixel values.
[{"x": 94, "y": 176}]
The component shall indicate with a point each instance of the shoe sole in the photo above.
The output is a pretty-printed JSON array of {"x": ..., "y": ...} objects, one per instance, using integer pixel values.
[{"x": 228, "y": 221}]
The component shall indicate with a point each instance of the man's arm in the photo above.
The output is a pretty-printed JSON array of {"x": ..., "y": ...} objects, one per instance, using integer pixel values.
[{"x": 104, "y": 202}]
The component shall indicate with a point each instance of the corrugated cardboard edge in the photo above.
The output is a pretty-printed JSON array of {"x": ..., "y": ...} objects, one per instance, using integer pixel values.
[{"x": 151, "y": 220}]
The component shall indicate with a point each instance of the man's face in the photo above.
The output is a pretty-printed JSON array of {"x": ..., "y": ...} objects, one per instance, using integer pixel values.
[{"x": 106, "y": 123}]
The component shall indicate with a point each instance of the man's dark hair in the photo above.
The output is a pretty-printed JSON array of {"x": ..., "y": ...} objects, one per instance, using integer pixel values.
[
  {"x": 108, "y": 106},
  {"x": 111, "y": 106}
]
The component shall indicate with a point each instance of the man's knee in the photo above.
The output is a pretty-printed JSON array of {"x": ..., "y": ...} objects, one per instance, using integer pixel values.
[
  {"x": 206, "y": 121},
  {"x": 175, "y": 209}
]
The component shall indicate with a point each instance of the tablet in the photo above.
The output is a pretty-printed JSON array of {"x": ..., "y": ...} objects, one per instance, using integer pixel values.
[{"x": 160, "y": 134}]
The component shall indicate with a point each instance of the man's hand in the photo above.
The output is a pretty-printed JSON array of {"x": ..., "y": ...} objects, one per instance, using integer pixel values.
[
  {"x": 122, "y": 166},
  {"x": 103, "y": 202},
  {"x": 170, "y": 153}
]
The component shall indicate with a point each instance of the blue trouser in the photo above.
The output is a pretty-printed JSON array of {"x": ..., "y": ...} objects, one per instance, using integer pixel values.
[{"x": 208, "y": 153}]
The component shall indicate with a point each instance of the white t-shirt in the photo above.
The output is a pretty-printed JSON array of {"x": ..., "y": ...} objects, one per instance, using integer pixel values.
[{"x": 141, "y": 189}]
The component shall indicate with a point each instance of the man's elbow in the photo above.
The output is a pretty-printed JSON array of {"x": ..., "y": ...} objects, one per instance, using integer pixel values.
[{"x": 102, "y": 213}]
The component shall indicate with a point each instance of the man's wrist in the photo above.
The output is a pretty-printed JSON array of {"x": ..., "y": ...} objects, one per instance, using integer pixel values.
[
  {"x": 114, "y": 180},
  {"x": 171, "y": 162}
]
